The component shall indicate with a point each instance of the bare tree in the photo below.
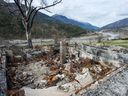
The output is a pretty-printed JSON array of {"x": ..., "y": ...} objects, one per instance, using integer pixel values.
[{"x": 28, "y": 12}]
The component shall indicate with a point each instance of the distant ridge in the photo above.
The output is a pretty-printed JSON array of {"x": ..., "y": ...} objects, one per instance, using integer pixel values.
[
  {"x": 116, "y": 25},
  {"x": 74, "y": 22}
]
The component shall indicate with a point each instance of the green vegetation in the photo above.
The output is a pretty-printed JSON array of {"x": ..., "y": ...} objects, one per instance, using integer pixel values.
[
  {"x": 44, "y": 27},
  {"x": 122, "y": 43},
  {"x": 10, "y": 27}
]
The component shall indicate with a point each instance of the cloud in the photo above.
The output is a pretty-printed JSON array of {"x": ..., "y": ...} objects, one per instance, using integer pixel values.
[{"x": 97, "y": 12}]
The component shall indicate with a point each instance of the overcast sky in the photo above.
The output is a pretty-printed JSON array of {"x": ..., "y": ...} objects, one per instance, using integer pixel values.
[{"x": 97, "y": 12}]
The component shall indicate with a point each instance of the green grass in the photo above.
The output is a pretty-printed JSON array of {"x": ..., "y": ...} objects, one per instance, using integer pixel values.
[{"x": 122, "y": 43}]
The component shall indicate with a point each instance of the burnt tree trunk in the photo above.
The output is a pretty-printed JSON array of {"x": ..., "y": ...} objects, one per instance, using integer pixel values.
[
  {"x": 29, "y": 39},
  {"x": 28, "y": 13},
  {"x": 28, "y": 34}
]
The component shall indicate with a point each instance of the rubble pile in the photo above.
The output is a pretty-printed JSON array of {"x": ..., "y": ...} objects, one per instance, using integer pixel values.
[
  {"x": 86, "y": 71},
  {"x": 40, "y": 68},
  {"x": 116, "y": 85},
  {"x": 44, "y": 70},
  {"x": 11, "y": 59}
]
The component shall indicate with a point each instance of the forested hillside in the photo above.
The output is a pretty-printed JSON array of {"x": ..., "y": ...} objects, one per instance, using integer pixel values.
[{"x": 44, "y": 26}]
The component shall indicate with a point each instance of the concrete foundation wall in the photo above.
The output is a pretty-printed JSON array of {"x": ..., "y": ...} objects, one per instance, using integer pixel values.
[
  {"x": 3, "y": 82},
  {"x": 105, "y": 55}
]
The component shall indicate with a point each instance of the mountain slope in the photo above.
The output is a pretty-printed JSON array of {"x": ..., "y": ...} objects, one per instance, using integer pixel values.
[
  {"x": 44, "y": 26},
  {"x": 116, "y": 25},
  {"x": 74, "y": 22}
]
